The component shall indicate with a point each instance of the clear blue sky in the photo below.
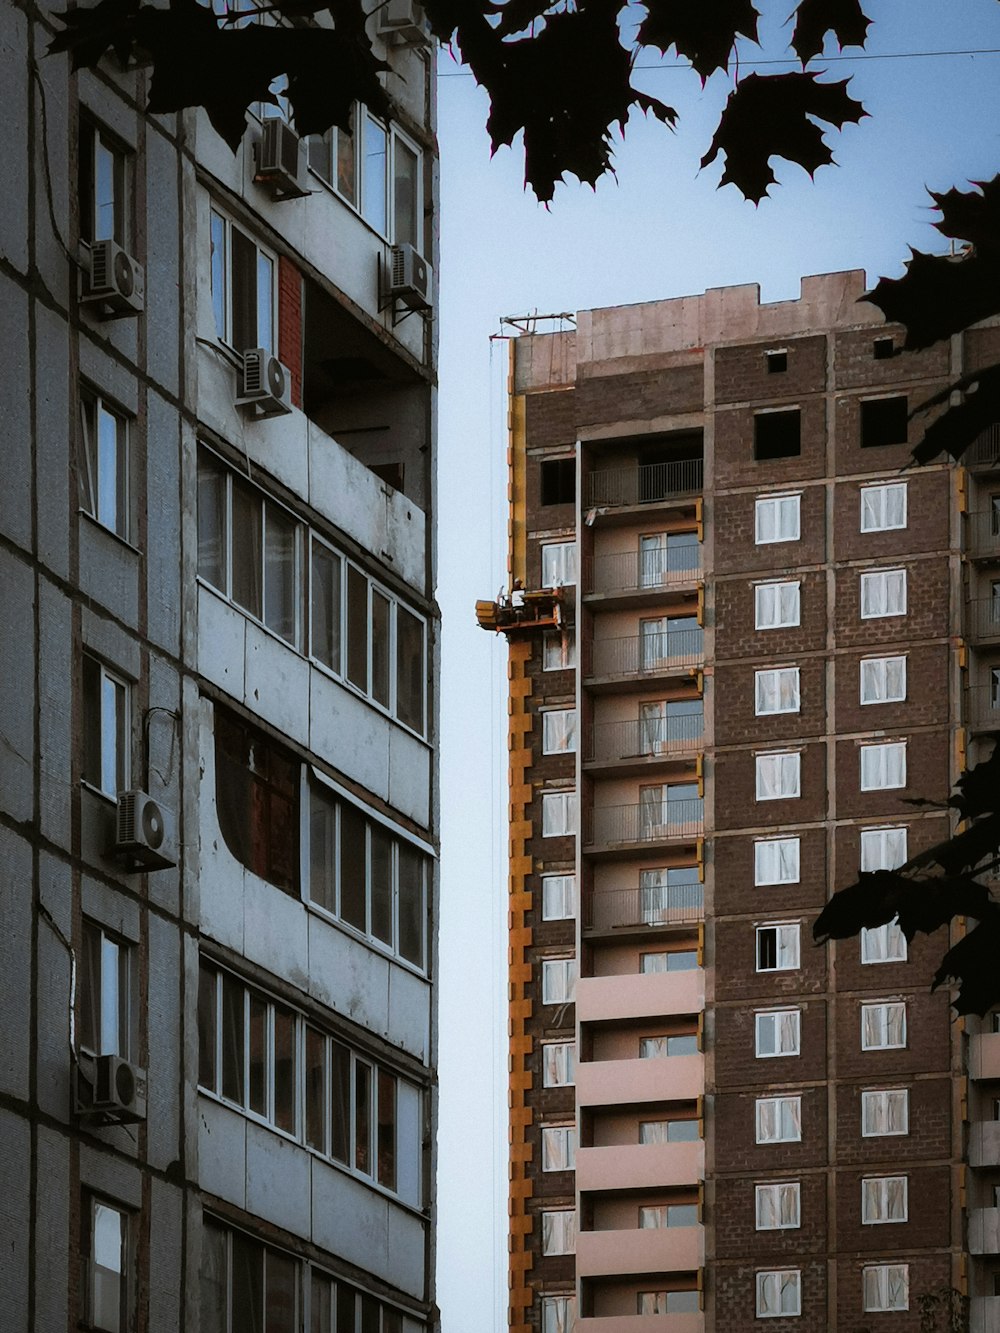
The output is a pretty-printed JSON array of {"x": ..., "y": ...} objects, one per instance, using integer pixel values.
[{"x": 657, "y": 230}]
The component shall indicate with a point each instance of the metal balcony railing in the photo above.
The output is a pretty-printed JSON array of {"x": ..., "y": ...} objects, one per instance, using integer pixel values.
[
  {"x": 983, "y": 619},
  {"x": 644, "y": 737},
  {"x": 661, "y": 906},
  {"x": 982, "y": 532},
  {"x": 645, "y": 654},
  {"x": 984, "y": 451},
  {"x": 983, "y": 707},
  {"x": 636, "y": 825},
  {"x": 643, "y": 571},
  {"x": 644, "y": 483}
]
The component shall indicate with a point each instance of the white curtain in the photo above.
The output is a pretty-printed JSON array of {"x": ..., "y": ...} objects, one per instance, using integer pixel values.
[
  {"x": 776, "y": 605},
  {"x": 778, "y": 691},
  {"x": 558, "y": 1148},
  {"x": 777, "y": 1206},
  {"x": 558, "y": 897},
  {"x": 883, "y": 593},
  {"x": 652, "y": 1217},
  {"x": 883, "y": 678},
  {"x": 558, "y": 980},
  {"x": 654, "y": 1131},
  {"x": 777, "y": 519},
  {"x": 558, "y": 1314},
  {"x": 777, "y": 776},
  {"x": 776, "y": 861},
  {"x": 883, "y": 1199},
  {"x": 883, "y": 766},
  {"x": 653, "y": 726},
  {"x": 883, "y": 1025},
  {"x": 778, "y": 1293},
  {"x": 652, "y": 1302},
  {"x": 887, "y": 1287},
  {"x": 883, "y": 506},
  {"x": 559, "y": 731},
  {"x": 558, "y": 1064},
  {"x": 653, "y": 643},
  {"x": 885, "y": 1112},
  {"x": 558, "y": 1232},
  {"x": 883, "y": 848},
  {"x": 652, "y": 559},
  {"x": 883, "y": 944},
  {"x": 778, "y": 1033},
  {"x": 558, "y": 565}
]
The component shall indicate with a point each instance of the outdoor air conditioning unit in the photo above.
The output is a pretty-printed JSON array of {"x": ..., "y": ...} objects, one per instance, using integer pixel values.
[
  {"x": 404, "y": 22},
  {"x": 265, "y": 384},
  {"x": 113, "y": 1092},
  {"x": 116, "y": 283},
  {"x": 407, "y": 278},
  {"x": 281, "y": 160},
  {"x": 144, "y": 832}
]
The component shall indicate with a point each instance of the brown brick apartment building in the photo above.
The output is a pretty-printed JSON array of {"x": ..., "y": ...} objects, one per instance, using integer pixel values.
[{"x": 750, "y": 637}]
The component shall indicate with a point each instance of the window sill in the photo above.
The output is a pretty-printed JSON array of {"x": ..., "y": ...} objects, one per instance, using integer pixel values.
[
  {"x": 107, "y": 797},
  {"x": 116, "y": 537}
]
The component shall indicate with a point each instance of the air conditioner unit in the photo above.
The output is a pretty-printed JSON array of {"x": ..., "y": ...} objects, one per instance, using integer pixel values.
[
  {"x": 144, "y": 832},
  {"x": 281, "y": 160},
  {"x": 116, "y": 282},
  {"x": 407, "y": 278},
  {"x": 265, "y": 384},
  {"x": 111, "y": 1092},
  {"x": 404, "y": 22}
]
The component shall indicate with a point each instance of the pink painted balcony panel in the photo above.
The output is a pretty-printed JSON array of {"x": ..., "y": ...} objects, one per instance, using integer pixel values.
[
  {"x": 644, "y": 1323},
  {"x": 637, "y": 1166},
  {"x": 649, "y": 995},
  {"x": 625, "y": 1082},
  {"x": 653, "y": 1250}
]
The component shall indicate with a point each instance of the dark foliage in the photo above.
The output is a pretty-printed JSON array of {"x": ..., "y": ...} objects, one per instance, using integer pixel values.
[
  {"x": 705, "y": 33},
  {"x": 815, "y": 18}
]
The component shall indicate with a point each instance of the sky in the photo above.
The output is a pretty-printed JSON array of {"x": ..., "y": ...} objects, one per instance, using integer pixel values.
[{"x": 659, "y": 228}]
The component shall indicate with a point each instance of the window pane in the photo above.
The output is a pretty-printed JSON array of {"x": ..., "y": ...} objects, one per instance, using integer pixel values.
[
  {"x": 213, "y": 1284},
  {"x": 381, "y": 883},
  {"x": 281, "y": 1285},
  {"x": 258, "y": 1055},
  {"x": 104, "y": 194},
  {"x": 373, "y": 178},
  {"x": 352, "y": 867},
  {"x": 280, "y": 570},
  {"x": 381, "y": 648},
  {"x": 265, "y": 303},
  {"x": 405, "y": 194},
  {"x": 315, "y": 1089},
  {"x": 108, "y": 1269},
  {"x": 232, "y": 1039},
  {"x": 285, "y": 1079},
  {"x": 246, "y": 547},
  {"x": 325, "y": 643},
  {"x": 113, "y": 1010},
  {"x": 411, "y": 903},
  {"x": 409, "y": 669},
  {"x": 340, "y": 1107},
  {"x": 357, "y": 628},
  {"x": 243, "y": 277},
  {"x": 323, "y": 852},
  {"x": 110, "y": 470},
  {"x": 362, "y": 1116},
  {"x": 219, "y": 269},
  {"x": 346, "y": 173},
  {"x": 211, "y": 521},
  {"x": 386, "y": 1129},
  {"x": 248, "y": 1284}
]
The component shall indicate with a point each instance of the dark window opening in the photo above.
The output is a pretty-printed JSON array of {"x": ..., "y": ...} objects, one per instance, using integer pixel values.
[
  {"x": 390, "y": 473},
  {"x": 257, "y": 799},
  {"x": 883, "y": 349},
  {"x": 558, "y": 481},
  {"x": 777, "y": 434},
  {"x": 883, "y": 421},
  {"x": 777, "y": 362},
  {"x": 767, "y": 950}
]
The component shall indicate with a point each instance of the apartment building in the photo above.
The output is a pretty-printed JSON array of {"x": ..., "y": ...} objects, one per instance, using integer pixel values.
[
  {"x": 218, "y": 758},
  {"x": 750, "y": 639}
]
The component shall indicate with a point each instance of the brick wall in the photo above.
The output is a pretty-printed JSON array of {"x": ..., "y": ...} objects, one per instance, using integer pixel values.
[
  {"x": 290, "y": 323},
  {"x": 735, "y": 1219},
  {"x": 734, "y": 875},
  {"x": 927, "y": 778},
  {"x": 736, "y": 805},
  {"x": 550, "y": 418},
  {"x": 735, "y": 700},
  {"x": 735, "y": 464},
  {"x": 733, "y": 613},
  {"x": 855, "y": 367},
  {"x": 927, "y": 584},
  {"x": 734, "y": 526},
  {"x": 927, "y": 503},
  {"x": 639, "y": 396},
  {"x": 735, "y": 1295},
  {"x": 735, "y": 1061}
]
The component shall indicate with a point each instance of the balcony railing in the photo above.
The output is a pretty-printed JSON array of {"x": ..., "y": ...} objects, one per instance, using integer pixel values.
[
  {"x": 644, "y": 655},
  {"x": 643, "y": 571},
  {"x": 983, "y": 621},
  {"x": 638, "y": 825},
  {"x": 644, "y": 483},
  {"x": 983, "y": 708},
  {"x": 983, "y": 532},
  {"x": 643, "y": 738},
  {"x": 670, "y": 905},
  {"x": 984, "y": 451}
]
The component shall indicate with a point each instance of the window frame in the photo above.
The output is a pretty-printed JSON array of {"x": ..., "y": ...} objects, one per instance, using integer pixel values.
[
  {"x": 223, "y": 302},
  {"x": 779, "y": 1103},
  {"x": 880, "y": 666},
  {"x": 877, "y": 1190},
  {"x": 94, "y": 991},
  {"x": 564, "y": 1134},
  {"x": 774, "y": 1189},
  {"x": 870, "y": 956},
  {"x": 771, "y": 683},
  {"x": 92, "y": 1202},
  {"x": 759, "y": 872},
  {"x": 885, "y": 762},
  {"x": 780, "y": 795},
  {"x": 567, "y": 894},
  {"x": 867, "y": 836},
  {"x": 865, "y": 578},
  {"x": 120, "y": 738},
  {"x": 566, "y": 640},
  {"x": 553, "y": 1065},
  {"x": 562, "y": 1232},
  {"x": 879, "y": 512},
  {"x": 570, "y": 816},
  {"x": 94, "y": 137},
  {"x": 772, "y": 591},
  {"x": 886, "y": 1094},
  {"x": 559, "y": 977},
  {"x": 784, "y": 933},
  {"x": 777, "y": 1015},
  {"x": 761, "y": 502},
  {"x": 552, "y": 742},
  {"x": 565, "y": 564},
  {"x": 884, "y": 1024},
  {"x": 761, "y": 1281},
  {"x": 91, "y": 464},
  {"x": 881, "y": 1271}
]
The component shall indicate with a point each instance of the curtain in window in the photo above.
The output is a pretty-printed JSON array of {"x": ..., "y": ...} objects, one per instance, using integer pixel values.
[
  {"x": 559, "y": 731},
  {"x": 653, "y": 560},
  {"x": 883, "y": 849},
  {"x": 778, "y": 1034},
  {"x": 883, "y": 678},
  {"x": 886, "y": 1287},
  {"x": 653, "y": 726},
  {"x": 778, "y": 691},
  {"x": 653, "y": 1048},
  {"x": 558, "y": 1314},
  {"x": 654, "y": 1131},
  {"x": 883, "y": 766},
  {"x": 654, "y": 647},
  {"x": 776, "y": 604},
  {"x": 558, "y": 1148},
  {"x": 777, "y": 1206},
  {"x": 883, "y": 944},
  {"x": 776, "y": 861},
  {"x": 557, "y": 1064},
  {"x": 558, "y": 897},
  {"x": 652, "y": 1302},
  {"x": 883, "y": 593},
  {"x": 885, "y": 1112},
  {"x": 777, "y": 1293},
  {"x": 558, "y": 1232},
  {"x": 777, "y": 776}
]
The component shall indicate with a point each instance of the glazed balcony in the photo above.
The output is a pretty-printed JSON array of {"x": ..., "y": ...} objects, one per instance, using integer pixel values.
[
  {"x": 629, "y": 578},
  {"x": 644, "y": 908},
  {"x": 643, "y": 827},
  {"x": 642, "y": 658},
  {"x": 983, "y": 707},
  {"x": 653, "y": 1250},
  {"x": 983, "y": 620},
  {"x": 636, "y": 743},
  {"x": 984, "y": 1314},
  {"x": 644, "y": 484},
  {"x": 984, "y": 1230}
]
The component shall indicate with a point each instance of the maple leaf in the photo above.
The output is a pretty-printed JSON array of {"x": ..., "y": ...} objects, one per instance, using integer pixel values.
[
  {"x": 775, "y": 116},
  {"x": 939, "y": 295},
  {"x": 971, "y": 215},
  {"x": 705, "y": 32},
  {"x": 89, "y": 33},
  {"x": 815, "y": 18},
  {"x": 516, "y": 15},
  {"x": 972, "y": 965},
  {"x": 958, "y": 428}
]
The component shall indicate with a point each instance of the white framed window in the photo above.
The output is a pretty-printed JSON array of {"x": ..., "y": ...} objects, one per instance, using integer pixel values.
[
  {"x": 883, "y": 1026},
  {"x": 103, "y": 465},
  {"x": 105, "y": 992},
  {"x": 558, "y": 1064},
  {"x": 883, "y": 593},
  {"x": 776, "y": 861},
  {"x": 558, "y": 813},
  {"x": 654, "y": 1216},
  {"x": 667, "y": 1302},
  {"x": 778, "y": 1206},
  {"x": 558, "y": 649},
  {"x": 883, "y": 1199},
  {"x": 558, "y": 1314},
  {"x": 883, "y": 944},
  {"x": 884, "y": 1112},
  {"x": 883, "y": 766},
  {"x": 558, "y": 897},
  {"x": 776, "y": 519},
  {"x": 883, "y": 680},
  {"x": 883, "y": 848},
  {"x": 558, "y": 980},
  {"x": 778, "y": 775},
  {"x": 779, "y": 1119},
  {"x": 669, "y": 1131},
  {"x": 776, "y": 605},
  {"x": 244, "y": 281},
  {"x": 558, "y": 1147},
  {"x": 559, "y": 731},
  {"x": 776, "y": 690},
  {"x": 656, "y": 1048},
  {"x": 107, "y": 1260},
  {"x": 776, "y": 1032},
  {"x": 376, "y": 169},
  {"x": 779, "y": 1292},
  {"x": 558, "y": 564},
  {"x": 559, "y": 1231},
  {"x": 106, "y": 728},
  {"x": 883, "y": 507},
  {"x": 886, "y": 1287},
  {"x": 675, "y": 960},
  {"x": 778, "y": 947}
]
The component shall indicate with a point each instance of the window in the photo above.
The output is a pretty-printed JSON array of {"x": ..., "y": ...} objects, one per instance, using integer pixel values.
[
  {"x": 778, "y": 1206},
  {"x": 776, "y": 361},
  {"x": 668, "y": 638},
  {"x": 558, "y": 897},
  {"x": 558, "y": 649},
  {"x": 776, "y": 605},
  {"x": 883, "y": 944},
  {"x": 670, "y": 893},
  {"x": 777, "y": 948},
  {"x": 337, "y": 1307},
  {"x": 103, "y": 467},
  {"x": 883, "y": 507},
  {"x": 105, "y": 184},
  {"x": 778, "y": 775},
  {"x": 677, "y": 960},
  {"x": 558, "y": 481},
  {"x": 558, "y": 1147},
  {"x": 244, "y": 1282},
  {"x": 105, "y": 1017},
  {"x": 667, "y": 1302},
  {"x": 776, "y": 691},
  {"x": 883, "y": 848},
  {"x": 656, "y": 1048},
  {"x": 559, "y": 1232},
  {"x": 558, "y": 813},
  {"x": 558, "y": 1314},
  {"x": 777, "y": 434},
  {"x": 106, "y": 729},
  {"x": 886, "y": 1287},
  {"x": 243, "y": 285},
  {"x": 669, "y": 808},
  {"x": 883, "y": 421},
  {"x": 885, "y": 1111},
  {"x": 559, "y": 565},
  {"x": 558, "y": 1064},
  {"x": 368, "y": 876},
  {"x": 883, "y": 1199},
  {"x": 883, "y": 1026},
  {"x": 883, "y": 593},
  {"x": 257, "y": 786},
  {"x": 776, "y": 1033},
  {"x": 381, "y": 176},
  {"x": 883, "y": 766},
  {"x": 779, "y": 1119},
  {"x": 558, "y": 980},
  {"x": 776, "y": 861},
  {"x": 654, "y": 1216},
  {"x": 106, "y": 1257},
  {"x": 559, "y": 731},
  {"x": 665, "y": 554},
  {"x": 883, "y": 680},
  {"x": 779, "y": 1293},
  {"x": 776, "y": 519},
  {"x": 669, "y": 1131},
  {"x": 883, "y": 349}
]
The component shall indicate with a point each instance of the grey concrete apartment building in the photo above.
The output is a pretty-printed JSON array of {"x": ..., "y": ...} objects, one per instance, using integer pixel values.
[{"x": 218, "y": 765}]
